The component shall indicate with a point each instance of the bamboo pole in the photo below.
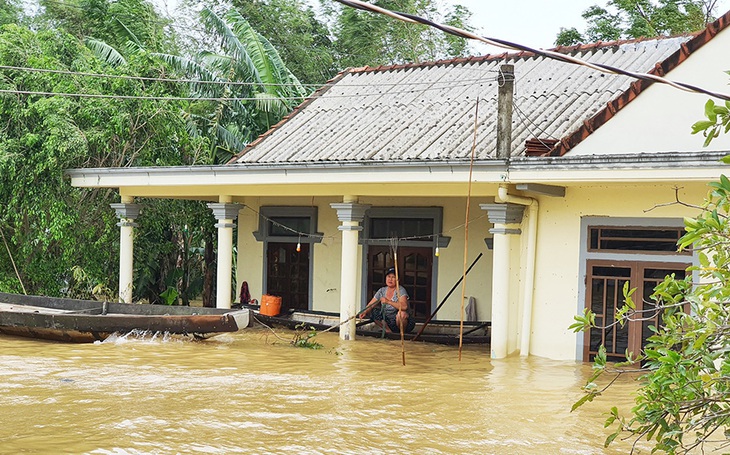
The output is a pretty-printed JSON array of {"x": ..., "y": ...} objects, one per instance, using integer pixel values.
[
  {"x": 350, "y": 318},
  {"x": 13, "y": 262},
  {"x": 394, "y": 246},
  {"x": 423, "y": 327},
  {"x": 466, "y": 227}
]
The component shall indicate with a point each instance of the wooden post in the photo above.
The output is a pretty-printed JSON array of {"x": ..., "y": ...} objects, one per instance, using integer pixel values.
[{"x": 505, "y": 96}]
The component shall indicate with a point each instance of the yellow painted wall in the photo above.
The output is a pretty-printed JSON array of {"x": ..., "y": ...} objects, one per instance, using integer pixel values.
[
  {"x": 557, "y": 281},
  {"x": 558, "y": 250},
  {"x": 327, "y": 254}
]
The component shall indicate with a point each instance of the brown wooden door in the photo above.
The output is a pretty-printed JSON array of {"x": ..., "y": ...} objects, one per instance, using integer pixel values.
[
  {"x": 287, "y": 274},
  {"x": 415, "y": 267},
  {"x": 604, "y": 294}
]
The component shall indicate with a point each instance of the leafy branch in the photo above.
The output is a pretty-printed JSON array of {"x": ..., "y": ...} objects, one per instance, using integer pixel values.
[
  {"x": 683, "y": 402},
  {"x": 718, "y": 120}
]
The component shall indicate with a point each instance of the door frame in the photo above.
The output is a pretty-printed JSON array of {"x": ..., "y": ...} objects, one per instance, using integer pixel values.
[
  {"x": 586, "y": 255},
  {"x": 434, "y": 213},
  {"x": 403, "y": 253},
  {"x": 265, "y": 214},
  {"x": 635, "y": 329}
]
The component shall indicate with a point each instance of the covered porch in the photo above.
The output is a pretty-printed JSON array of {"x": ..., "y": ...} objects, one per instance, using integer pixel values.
[{"x": 338, "y": 226}]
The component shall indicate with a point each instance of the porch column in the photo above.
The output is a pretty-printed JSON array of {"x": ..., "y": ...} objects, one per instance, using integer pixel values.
[
  {"x": 127, "y": 212},
  {"x": 350, "y": 213},
  {"x": 504, "y": 217},
  {"x": 226, "y": 213}
]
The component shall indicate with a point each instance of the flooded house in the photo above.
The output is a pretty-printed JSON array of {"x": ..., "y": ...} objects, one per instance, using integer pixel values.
[{"x": 563, "y": 178}]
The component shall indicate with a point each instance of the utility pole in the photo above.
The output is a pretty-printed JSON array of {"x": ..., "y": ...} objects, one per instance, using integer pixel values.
[{"x": 505, "y": 95}]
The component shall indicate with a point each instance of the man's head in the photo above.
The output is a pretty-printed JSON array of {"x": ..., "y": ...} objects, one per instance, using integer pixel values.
[{"x": 390, "y": 271}]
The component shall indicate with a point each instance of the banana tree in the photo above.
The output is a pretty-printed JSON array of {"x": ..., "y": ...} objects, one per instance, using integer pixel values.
[{"x": 243, "y": 85}]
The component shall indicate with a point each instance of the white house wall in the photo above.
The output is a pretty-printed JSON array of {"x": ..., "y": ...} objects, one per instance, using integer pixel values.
[{"x": 660, "y": 118}]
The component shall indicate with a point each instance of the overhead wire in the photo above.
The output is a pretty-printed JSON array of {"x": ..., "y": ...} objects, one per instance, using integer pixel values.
[
  {"x": 528, "y": 121},
  {"x": 221, "y": 98},
  {"x": 406, "y": 17},
  {"x": 461, "y": 82}
]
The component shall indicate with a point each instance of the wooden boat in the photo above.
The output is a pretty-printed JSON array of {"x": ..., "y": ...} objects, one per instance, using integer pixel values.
[
  {"x": 82, "y": 321},
  {"x": 441, "y": 332}
]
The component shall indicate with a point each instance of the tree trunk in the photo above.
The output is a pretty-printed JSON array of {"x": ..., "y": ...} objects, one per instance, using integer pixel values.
[{"x": 209, "y": 273}]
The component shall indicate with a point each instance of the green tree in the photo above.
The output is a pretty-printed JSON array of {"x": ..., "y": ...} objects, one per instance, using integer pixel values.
[
  {"x": 683, "y": 402},
  {"x": 627, "y": 19},
  {"x": 293, "y": 29},
  {"x": 10, "y": 12},
  {"x": 365, "y": 38},
  {"x": 50, "y": 227},
  {"x": 253, "y": 87},
  {"x": 119, "y": 24}
]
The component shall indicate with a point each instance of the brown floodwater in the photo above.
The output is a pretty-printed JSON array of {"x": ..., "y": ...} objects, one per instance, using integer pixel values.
[{"x": 253, "y": 393}]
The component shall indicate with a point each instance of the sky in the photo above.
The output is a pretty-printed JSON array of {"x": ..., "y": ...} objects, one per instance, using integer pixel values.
[{"x": 533, "y": 23}]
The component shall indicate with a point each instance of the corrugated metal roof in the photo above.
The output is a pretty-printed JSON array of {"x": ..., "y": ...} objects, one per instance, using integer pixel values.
[{"x": 426, "y": 111}]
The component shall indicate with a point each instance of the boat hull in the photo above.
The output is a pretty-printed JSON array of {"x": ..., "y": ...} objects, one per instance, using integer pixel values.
[
  {"x": 80, "y": 321},
  {"x": 441, "y": 332}
]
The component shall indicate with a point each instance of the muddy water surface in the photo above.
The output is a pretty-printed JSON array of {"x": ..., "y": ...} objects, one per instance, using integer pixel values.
[{"x": 252, "y": 393}]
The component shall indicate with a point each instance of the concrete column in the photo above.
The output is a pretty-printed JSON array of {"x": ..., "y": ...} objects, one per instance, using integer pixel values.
[
  {"x": 504, "y": 217},
  {"x": 127, "y": 212},
  {"x": 351, "y": 214},
  {"x": 505, "y": 95},
  {"x": 226, "y": 213}
]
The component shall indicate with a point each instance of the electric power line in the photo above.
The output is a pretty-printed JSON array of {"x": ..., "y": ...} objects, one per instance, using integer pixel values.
[
  {"x": 333, "y": 237},
  {"x": 223, "y": 98},
  {"x": 543, "y": 53},
  {"x": 461, "y": 82}
]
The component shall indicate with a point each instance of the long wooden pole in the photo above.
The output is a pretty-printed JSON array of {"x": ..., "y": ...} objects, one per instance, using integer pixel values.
[
  {"x": 397, "y": 293},
  {"x": 13, "y": 262},
  {"x": 466, "y": 225},
  {"x": 423, "y": 327},
  {"x": 351, "y": 317}
]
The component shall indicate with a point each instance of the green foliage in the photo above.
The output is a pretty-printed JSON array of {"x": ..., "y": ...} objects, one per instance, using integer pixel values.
[
  {"x": 293, "y": 29},
  {"x": 51, "y": 227},
  {"x": 268, "y": 90},
  {"x": 568, "y": 37},
  {"x": 169, "y": 250},
  {"x": 303, "y": 337},
  {"x": 718, "y": 121},
  {"x": 10, "y": 12},
  {"x": 82, "y": 286},
  {"x": 118, "y": 23},
  {"x": 682, "y": 403},
  {"x": 365, "y": 38},
  {"x": 627, "y": 19}
]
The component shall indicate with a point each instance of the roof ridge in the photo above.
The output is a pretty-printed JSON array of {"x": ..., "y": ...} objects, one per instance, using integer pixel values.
[
  {"x": 686, "y": 49},
  {"x": 513, "y": 55},
  {"x": 606, "y": 44}
]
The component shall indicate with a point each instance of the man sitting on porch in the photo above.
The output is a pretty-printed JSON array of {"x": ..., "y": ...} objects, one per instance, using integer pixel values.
[{"x": 394, "y": 306}]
